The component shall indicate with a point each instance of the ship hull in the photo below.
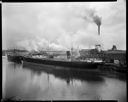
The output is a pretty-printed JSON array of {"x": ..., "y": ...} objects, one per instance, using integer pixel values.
[{"x": 70, "y": 64}]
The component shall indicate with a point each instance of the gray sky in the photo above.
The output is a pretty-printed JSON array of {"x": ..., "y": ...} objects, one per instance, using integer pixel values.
[{"x": 58, "y": 26}]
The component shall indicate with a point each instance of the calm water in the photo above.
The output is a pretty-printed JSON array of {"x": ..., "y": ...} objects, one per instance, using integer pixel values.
[{"x": 46, "y": 83}]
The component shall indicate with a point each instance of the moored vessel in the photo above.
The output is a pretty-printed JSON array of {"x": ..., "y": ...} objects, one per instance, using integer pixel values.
[{"x": 64, "y": 63}]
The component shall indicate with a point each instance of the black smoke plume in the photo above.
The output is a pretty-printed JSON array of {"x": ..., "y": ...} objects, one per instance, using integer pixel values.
[
  {"x": 90, "y": 15},
  {"x": 97, "y": 20}
]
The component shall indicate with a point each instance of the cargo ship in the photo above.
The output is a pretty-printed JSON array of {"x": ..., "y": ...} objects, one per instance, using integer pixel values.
[
  {"x": 69, "y": 61},
  {"x": 63, "y": 63}
]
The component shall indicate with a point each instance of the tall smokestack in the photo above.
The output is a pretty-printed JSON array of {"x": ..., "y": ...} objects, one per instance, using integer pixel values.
[
  {"x": 99, "y": 29},
  {"x": 97, "y": 20}
]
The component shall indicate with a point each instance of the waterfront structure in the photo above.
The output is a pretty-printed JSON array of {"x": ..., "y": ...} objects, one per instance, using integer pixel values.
[
  {"x": 115, "y": 55},
  {"x": 109, "y": 56}
]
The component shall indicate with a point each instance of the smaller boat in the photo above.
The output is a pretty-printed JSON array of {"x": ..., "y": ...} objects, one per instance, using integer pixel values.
[{"x": 14, "y": 58}]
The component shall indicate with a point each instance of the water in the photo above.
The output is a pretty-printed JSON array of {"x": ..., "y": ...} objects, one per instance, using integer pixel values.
[{"x": 47, "y": 83}]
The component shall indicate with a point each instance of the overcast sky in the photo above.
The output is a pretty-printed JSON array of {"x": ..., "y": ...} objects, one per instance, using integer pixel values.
[{"x": 58, "y": 26}]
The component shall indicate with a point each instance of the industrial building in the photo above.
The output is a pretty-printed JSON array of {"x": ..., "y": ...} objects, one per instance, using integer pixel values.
[{"x": 111, "y": 56}]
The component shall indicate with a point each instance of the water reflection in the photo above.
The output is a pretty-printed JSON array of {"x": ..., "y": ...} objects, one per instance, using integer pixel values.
[
  {"x": 44, "y": 83},
  {"x": 66, "y": 74}
]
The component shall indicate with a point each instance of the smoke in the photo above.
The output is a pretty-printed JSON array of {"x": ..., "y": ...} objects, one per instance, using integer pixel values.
[
  {"x": 55, "y": 25},
  {"x": 40, "y": 44},
  {"x": 97, "y": 20},
  {"x": 63, "y": 42},
  {"x": 64, "y": 36},
  {"x": 90, "y": 15}
]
